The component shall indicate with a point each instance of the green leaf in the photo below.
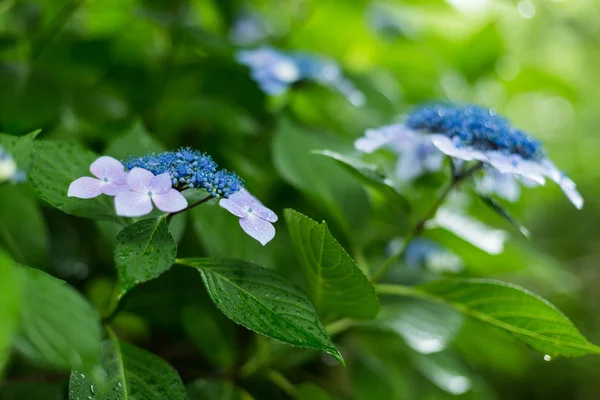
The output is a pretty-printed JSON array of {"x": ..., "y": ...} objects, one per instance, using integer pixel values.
[
  {"x": 444, "y": 371},
  {"x": 144, "y": 250},
  {"x": 10, "y": 299},
  {"x": 135, "y": 142},
  {"x": 510, "y": 308},
  {"x": 55, "y": 165},
  {"x": 328, "y": 186},
  {"x": 213, "y": 390},
  {"x": 502, "y": 212},
  {"x": 20, "y": 147},
  {"x": 425, "y": 326},
  {"x": 310, "y": 391},
  {"x": 23, "y": 229},
  {"x": 59, "y": 328},
  {"x": 337, "y": 285},
  {"x": 130, "y": 374},
  {"x": 264, "y": 302},
  {"x": 368, "y": 174}
]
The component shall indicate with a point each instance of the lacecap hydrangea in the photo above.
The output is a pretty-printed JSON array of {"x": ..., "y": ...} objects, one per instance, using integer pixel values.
[
  {"x": 189, "y": 169},
  {"x": 8, "y": 168},
  {"x": 469, "y": 133},
  {"x": 158, "y": 180}
]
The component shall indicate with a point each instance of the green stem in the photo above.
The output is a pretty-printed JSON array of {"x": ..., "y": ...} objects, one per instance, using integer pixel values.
[
  {"x": 196, "y": 204},
  {"x": 419, "y": 227},
  {"x": 338, "y": 326},
  {"x": 282, "y": 382}
]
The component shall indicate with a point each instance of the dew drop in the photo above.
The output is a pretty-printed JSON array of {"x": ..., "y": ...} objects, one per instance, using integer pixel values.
[{"x": 547, "y": 357}]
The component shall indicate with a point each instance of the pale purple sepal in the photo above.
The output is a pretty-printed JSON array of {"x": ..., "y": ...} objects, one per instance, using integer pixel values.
[
  {"x": 255, "y": 218},
  {"x": 145, "y": 189},
  {"x": 111, "y": 178}
]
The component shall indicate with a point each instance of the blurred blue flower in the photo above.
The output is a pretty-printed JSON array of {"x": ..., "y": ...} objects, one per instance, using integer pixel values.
[
  {"x": 276, "y": 71},
  {"x": 189, "y": 169},
  {"x": 495, "y": 183},
  {"x": 8, "y": 168},
  {"x": 470, "y": 133},
  {"x": 248, "y": 29},
  {"x": 425, "y": 253},
  {"x": 418, "y": 155}
]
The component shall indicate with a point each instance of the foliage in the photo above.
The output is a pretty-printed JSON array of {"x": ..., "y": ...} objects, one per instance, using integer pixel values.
[{"x": 391, "y": 275}]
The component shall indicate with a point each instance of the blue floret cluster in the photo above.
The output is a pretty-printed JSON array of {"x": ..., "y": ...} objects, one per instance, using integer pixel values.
[
  {"x": 475, "y": 127},
  {"x": 189, "y": 169}
]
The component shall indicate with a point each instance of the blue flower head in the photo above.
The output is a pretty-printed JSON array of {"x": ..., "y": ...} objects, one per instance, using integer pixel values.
[
  {"x": 189, "y": 169},
  {"x": 467, "y": 133},
  {"x": 480, "y": 128},
  {"x": 276, "y": 71}
]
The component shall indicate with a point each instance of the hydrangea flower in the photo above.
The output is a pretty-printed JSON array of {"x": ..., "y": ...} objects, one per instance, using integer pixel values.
[
  {"x": 255, "y": 219},
  {"x": 8, "y": 168},
  {"x": 144, "y": 189},
  {"x": 110, "y": 179},
  {"x": 472, "y": 133},
  {"x": 276, "y": 71},
  {"x": 189, "y": 169},
  {"x": 417, "y": 154}
]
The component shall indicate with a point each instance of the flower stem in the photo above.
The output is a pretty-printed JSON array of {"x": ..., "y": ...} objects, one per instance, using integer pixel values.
[
  {"x": 196, "y": 204},
  {"x": 419, "y": 227}
]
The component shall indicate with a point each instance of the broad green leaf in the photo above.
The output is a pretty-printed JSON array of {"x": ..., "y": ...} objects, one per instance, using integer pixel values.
[
  {"x": 135, "y": 142},
  {"x": 144, "y": 250},
  {"x": 264, "y": 302},
  {"x": 20, "y": 147},
  {"x": 444, "y": 371},
  {"x": 510, "y": 308},
  {"x": 328, "y": 186},
  {"x": 368, "y": 174},
  {"x": 59, "y": 328},
  {"x": 502, "y": 212},
  {"x": 337, "y": 285},
  {"x": 23, "y": 230},
  {"x": 215, "y": 389},
  {"x": 55, "y": 165},
  {"x": 310, "y": 391},
  {"x": 10, "y": 299},
  {"x": 130, "y": 373},
  {"x": 425, "y": 326}
]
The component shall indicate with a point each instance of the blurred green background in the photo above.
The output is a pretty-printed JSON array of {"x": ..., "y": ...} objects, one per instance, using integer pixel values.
[{"x": 103, "y": 73}]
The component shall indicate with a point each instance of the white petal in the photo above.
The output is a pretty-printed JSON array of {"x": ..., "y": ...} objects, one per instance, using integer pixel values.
[
  {"x": 377, "y": 138},
  {"x": 452, "y": 149},
  {"x": 409, "y": 166},
  {"x": 570, "y": 190},
  {"x": 236, "y": 209},
  {"x": 170, "y": 202},
  {"x": 514, "y": 164},
  {"x": 132, "y": 204},
  {"x": 85, "y": 188},
  {"x": 139, "y": 179},
  {"x": 258, "y": 228},
  {"x": 496, "y": 183},
  {"x": 110, "y": 168},
  {"x": 111, "y": 189},
  {"x": 160, "y": 183}
]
